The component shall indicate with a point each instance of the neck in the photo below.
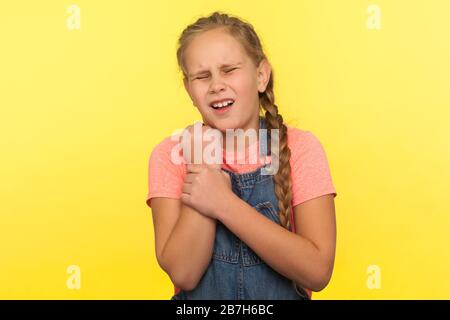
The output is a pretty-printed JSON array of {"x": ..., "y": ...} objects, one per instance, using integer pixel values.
[{"x": 245, "y": 135}]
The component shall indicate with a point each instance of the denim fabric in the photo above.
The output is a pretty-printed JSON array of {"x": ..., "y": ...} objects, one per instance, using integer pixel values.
[{"x": 236, "y": 272}]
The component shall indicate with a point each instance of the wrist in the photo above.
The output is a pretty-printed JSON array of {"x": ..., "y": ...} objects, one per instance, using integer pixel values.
[{"x": 226, "y": 205}]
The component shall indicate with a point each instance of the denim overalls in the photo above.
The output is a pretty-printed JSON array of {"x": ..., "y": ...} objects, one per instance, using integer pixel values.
[{"x": 235, "y": 271}]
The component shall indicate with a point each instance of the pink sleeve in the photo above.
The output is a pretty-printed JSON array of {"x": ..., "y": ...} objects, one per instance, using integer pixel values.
[
  {"x": 165, "y": 178},
  {"x": 310, "y": 172}
]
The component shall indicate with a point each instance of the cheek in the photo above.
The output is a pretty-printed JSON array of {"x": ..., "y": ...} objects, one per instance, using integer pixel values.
[
  {"x": 198, "y": 92},
  {"x": 245, "y": 87}
]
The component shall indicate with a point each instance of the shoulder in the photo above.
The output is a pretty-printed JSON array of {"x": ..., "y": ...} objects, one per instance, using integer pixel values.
[
  {"x": 310, "y": 171},
  {"x": 165, "y": 145},
  {"x": 300, "y": 140},
  {"x": 165, "y": 170},
  {"x": 168, "y": 148},
  {"x": 167, "y": 156},
  {"x": 307, "y": 152}
]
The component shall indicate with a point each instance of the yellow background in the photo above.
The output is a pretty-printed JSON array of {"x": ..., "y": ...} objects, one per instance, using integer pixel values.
[{"x": 81, "y": 110}]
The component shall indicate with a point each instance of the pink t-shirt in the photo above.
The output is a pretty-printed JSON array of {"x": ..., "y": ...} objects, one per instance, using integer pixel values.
[{"x": 310, "y": 172}]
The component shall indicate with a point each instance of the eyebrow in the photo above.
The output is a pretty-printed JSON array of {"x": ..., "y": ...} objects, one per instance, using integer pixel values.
[{"x": 222, "y": 66}]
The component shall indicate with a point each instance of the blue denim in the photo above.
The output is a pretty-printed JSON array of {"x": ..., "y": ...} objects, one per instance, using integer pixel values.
[{"x": 236, "y": 272}]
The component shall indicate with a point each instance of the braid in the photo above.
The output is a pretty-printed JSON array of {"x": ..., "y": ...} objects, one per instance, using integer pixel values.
[{"x": 282, "y": 179}]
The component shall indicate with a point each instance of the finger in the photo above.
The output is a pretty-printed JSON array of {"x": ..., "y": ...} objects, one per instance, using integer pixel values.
[
  {"x": 187, "y": 188},
  {"x": 185, "y": 198},
  {"x": 216, "y": 166},
  {"x": 188, "y": 129},
  {"x": 190, "y": 177},
  {"x": 194, "y": 168}
]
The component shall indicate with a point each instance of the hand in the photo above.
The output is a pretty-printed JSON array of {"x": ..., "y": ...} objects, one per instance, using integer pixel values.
[
  {"x": 207, "y": 189},
  {"x": 205, "y": 137}
]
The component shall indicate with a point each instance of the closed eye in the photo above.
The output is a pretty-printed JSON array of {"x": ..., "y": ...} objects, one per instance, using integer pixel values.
[
  {"x": 229, "y": 70},
  {"x": 206, "y": 76}
]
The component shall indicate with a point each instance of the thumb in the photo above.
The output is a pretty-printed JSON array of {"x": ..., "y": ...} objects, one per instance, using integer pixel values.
[
  {"x": 216, "y": 166},
  {"x": 185, "y": 199}
]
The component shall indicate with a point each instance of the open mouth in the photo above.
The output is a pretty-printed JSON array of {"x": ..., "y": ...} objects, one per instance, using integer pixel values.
[{"x": 225, "y": 104}]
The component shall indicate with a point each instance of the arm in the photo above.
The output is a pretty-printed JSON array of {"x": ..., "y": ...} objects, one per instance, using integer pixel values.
[
  {"x": 184, "y": 241},
  {"x": 184, "y": 238},
  {"x": 307, "y": 256}
]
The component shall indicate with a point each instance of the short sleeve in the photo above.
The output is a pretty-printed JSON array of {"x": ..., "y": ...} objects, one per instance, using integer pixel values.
[
  {"x": 165, "y": 177},
  {"x": 310, "y": 171}
]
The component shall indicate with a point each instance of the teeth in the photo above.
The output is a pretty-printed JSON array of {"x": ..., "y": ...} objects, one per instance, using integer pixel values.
[{"x": 222, "y": 104}]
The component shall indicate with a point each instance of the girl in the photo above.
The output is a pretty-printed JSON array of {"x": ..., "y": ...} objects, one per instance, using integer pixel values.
[{"x": 227, "y": 231}]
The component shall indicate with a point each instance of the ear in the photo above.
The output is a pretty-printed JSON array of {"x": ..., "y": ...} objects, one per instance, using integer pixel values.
[
  {"x": 186, "y": 86},
  {"x": 263, "y": 74}
]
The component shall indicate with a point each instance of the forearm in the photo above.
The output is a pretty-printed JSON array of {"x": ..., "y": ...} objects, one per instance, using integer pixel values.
[
  {"x": 188, "y": 250},
  {"x": 286, "y": 252}
]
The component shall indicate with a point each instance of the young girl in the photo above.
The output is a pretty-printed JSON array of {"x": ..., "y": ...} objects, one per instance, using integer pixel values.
[{"x": 230, "y": 231}]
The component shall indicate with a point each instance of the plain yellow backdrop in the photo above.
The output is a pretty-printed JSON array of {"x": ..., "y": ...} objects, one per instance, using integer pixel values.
[{"x": 81, "y": 110}]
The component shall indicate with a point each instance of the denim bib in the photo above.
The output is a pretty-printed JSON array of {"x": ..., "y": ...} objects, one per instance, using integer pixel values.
[{"x": 235, "y": 271}]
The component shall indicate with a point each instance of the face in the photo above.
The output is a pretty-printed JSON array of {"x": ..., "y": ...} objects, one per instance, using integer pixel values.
[{"x": 218, "y": 68}]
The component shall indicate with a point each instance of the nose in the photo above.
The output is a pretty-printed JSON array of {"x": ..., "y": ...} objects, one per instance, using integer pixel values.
[{"x": 216, "y": 85}]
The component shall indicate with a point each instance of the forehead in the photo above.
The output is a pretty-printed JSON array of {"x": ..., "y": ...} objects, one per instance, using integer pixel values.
[{"x": 211, "y": 48}]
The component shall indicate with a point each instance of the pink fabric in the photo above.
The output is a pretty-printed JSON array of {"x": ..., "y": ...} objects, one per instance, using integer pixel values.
[{"x": 310, "y": 171}]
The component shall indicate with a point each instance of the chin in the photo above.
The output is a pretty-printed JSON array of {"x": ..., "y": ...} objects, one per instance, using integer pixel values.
[{"x": 223, "y": 124}]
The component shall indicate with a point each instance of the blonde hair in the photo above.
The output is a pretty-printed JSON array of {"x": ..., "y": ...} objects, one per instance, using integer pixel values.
[{"x": 246, "y": 35}]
